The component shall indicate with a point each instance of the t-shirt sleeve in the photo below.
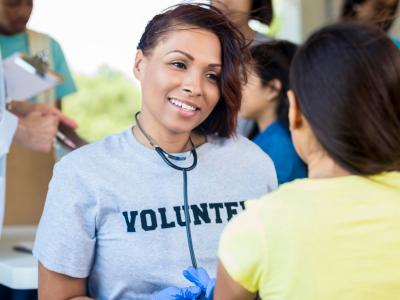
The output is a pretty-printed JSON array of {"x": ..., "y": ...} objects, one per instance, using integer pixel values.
[
  {"x": 242, "y": 250},
  {"x": 61, "y": 66},
  {"x": 8, "y": 126},
  {"x": 66, "y": 236}
]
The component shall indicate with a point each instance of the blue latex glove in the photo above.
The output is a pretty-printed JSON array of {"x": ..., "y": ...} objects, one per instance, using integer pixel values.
[
  {"x": 175, "y": 293},
  {"x": 201, "y": 279}
]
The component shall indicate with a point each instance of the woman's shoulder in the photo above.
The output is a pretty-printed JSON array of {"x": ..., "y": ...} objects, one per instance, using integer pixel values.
[
  {"x": 98, "y": 151},
  {"x": 244, "y": 155},
  {"x": 240, "y": 146},
  {"x": 234, "y": 143}
]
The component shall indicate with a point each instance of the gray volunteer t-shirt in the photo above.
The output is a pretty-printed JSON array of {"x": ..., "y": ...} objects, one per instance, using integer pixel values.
[{"x": 114, "y": 212}]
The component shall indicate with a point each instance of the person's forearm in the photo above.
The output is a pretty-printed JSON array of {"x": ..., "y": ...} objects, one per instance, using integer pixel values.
[
  {"x": 20, "y": 108},
  {"x": 36, "y": 132},
  {"x": 53, "y": 285}
]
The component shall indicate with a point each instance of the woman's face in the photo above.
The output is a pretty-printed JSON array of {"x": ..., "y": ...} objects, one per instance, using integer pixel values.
[
  {"x": 375, "y": 10},
  {"x": 255, "y": 97},
  {"x": 179, "y": 79},
  {"x": 237, "y": 11}
]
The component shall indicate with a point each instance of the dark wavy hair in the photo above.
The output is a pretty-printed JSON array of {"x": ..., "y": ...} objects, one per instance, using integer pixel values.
[
  {"x": 346, "y": 78},
  {"x": 223, "y": 119},
  {"x": 262, "y": 10},
  {"x": 271, "y": 60},
  {"x": 349, "y": 12}
]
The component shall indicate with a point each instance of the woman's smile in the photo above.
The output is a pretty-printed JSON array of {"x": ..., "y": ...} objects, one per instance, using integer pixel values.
[{"x": 184, "y": 107}]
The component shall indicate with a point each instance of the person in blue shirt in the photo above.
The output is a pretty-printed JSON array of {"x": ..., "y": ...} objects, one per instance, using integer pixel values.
[
  {"x": 265, "y": 102},
  {"x": 240, "y": 13},
  {"x": 381, "y": 13}
]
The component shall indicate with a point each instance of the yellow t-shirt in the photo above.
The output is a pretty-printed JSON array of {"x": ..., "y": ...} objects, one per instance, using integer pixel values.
[{"x": 319, "y": 239}]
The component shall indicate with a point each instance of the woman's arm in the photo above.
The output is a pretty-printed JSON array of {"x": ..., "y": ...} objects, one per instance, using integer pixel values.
[
  {"x": 228, "y": 289},
  {"x": 54, "y": 286}
]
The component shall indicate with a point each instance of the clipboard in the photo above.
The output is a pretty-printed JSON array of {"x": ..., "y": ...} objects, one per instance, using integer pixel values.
[{"x": 27, "y": 76}]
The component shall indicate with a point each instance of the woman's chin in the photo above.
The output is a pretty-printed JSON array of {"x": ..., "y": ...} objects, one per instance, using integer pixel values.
[
  {"x": 181, "y": 126},
  {"x": 180, "y": 129}
]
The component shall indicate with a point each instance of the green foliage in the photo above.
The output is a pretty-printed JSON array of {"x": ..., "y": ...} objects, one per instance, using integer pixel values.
[{"x": 104, "y": 104}]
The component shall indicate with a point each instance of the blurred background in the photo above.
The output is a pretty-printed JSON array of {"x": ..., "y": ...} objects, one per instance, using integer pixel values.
[{"x": 99, "y": 39}]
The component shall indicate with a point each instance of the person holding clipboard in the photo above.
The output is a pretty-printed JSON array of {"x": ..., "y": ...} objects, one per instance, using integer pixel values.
[
  {"x": 125, "y": 215},
  {"x": 34, "y": 128},
  {"x": 16, "y": 37},
  {"x": 28, "y": 168}
]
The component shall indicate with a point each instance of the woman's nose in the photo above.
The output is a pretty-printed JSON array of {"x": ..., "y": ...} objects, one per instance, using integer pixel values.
[{"x": 192, "y": 85}]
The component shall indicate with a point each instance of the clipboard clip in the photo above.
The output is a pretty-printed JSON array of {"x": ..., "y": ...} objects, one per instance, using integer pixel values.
[{"x": 39, "y": 62}]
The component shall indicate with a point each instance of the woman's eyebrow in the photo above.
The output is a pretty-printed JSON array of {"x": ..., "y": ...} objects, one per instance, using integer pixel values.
[
  {"x": 191, "y": 57},
  {"x": 181, "y": 52}
]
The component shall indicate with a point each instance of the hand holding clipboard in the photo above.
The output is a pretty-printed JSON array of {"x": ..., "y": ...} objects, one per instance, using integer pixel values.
[{"x": 27, "y": 76}]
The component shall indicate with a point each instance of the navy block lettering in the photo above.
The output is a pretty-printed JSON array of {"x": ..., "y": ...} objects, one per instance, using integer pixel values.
[
  {"x": 231, "y": 209},
  {"x": 151, "y": 224},
  {"x": 200, "y": 213},
  {"x": 164, "y": 221},
  {"x": 130, "y": 224},
  {"x": 217, "y": 207},
  {"x": 179, "y": 220}
]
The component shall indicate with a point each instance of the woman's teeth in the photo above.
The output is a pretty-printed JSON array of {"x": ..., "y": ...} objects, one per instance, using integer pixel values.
[{"x": 182, "y": 105}]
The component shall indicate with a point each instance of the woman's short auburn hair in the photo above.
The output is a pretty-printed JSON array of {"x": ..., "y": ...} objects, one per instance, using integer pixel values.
[{"x": 223, "y": 119}]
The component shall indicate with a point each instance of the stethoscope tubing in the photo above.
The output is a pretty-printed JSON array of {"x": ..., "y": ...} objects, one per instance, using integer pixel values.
[
  {"x": 187, "y": 220},
  {"x": 184, "y": 170},
  {"x": 166, "y": 158}
]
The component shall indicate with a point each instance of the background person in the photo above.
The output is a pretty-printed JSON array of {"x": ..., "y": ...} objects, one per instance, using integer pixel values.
[
  {"x": 26, "y": 168},
  {"x": 265, "y": 102},
  {"x": 33, "y": 128},
  {"x": 240, "y": 13},
  {"x": 336, "y": 234},
  {"x": 381, "y": 13},
  {"x": 16, "y": 37},
  {"x": 112, "y": 201}
]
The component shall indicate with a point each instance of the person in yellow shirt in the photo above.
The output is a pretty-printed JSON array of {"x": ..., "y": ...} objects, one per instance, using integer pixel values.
[{"x": 335, "y": 235}]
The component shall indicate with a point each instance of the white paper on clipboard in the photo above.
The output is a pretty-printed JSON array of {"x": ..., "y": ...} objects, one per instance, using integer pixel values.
[{"x": 22, "y": 81}]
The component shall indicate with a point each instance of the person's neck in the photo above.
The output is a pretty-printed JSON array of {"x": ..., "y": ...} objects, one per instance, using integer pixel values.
[
  {"x": 8, "y": 33},
  {"x": 266, "y": 118},
  {"x": 320, "y": 165},
  {"x": 169, "y": 141}
]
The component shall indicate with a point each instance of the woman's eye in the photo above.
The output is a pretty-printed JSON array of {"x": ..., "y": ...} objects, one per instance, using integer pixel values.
[
  {"x": 179, "y": 64},
  {"x": 213, "y": 77}
]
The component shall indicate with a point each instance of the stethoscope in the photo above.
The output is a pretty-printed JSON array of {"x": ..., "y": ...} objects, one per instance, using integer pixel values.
[{"x": 168, "y": 159}]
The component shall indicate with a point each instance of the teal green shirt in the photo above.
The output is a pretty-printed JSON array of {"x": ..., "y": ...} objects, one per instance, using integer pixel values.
[
  {"x": 19, "y": 43},
  {"x": 396, "y": 41}
]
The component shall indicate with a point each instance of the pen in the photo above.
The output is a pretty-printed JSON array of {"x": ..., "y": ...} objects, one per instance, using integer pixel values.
[
  {"x": 20, "y": 248},
  {"x": 66, "y": 140}
]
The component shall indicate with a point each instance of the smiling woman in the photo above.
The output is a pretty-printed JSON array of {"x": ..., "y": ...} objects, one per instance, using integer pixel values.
[
  {"x": 111, "y": 202},
  {"x": 179, "y": 81}
]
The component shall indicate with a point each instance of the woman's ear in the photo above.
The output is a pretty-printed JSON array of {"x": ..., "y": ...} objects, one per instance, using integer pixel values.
[
  {"x": 138, "y": 67},
  {"x": 295, "y": 116},
  {"x": 273, "y": 89}
]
